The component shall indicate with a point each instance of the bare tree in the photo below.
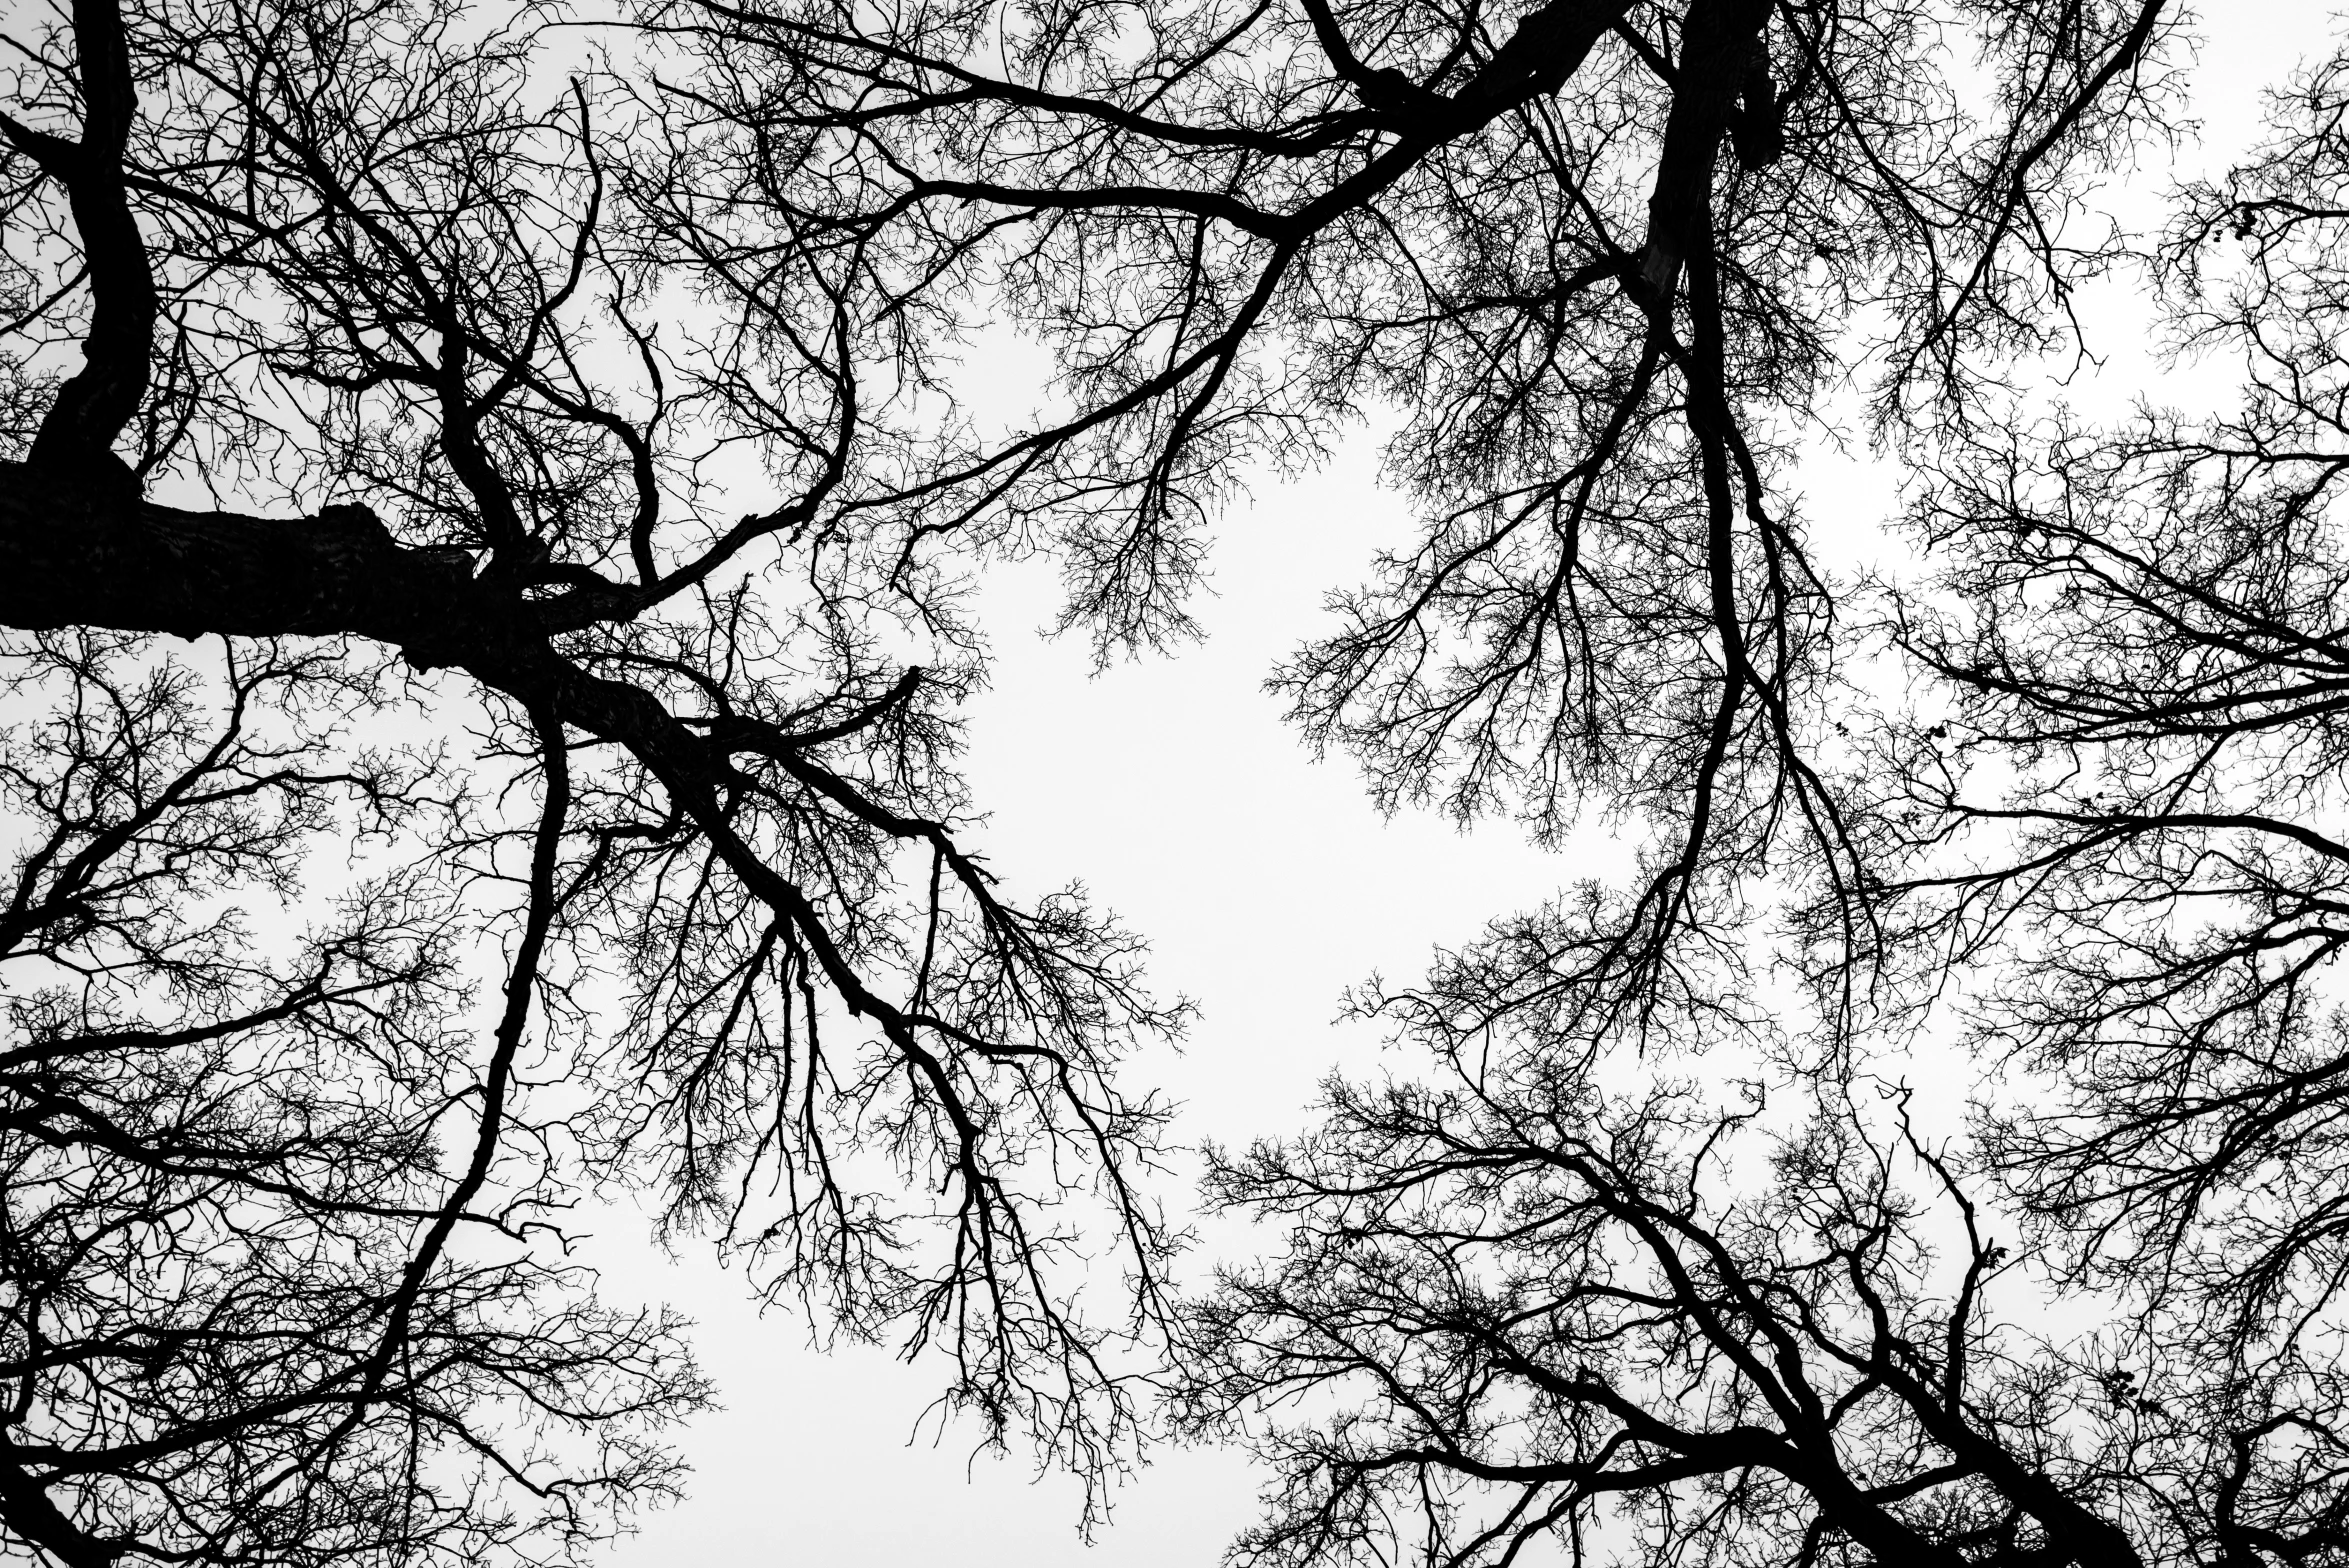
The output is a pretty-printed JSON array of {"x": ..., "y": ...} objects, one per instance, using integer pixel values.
[
  {"x": 239, "y": 1323},
  {"x": 1654, "y": 1264},
  {"x": 1601, "y": 258},
  {"x": 657, "y": 867},
  {"x": 2125, "y": 821},
  {"x": 1658, "y": 1259}
]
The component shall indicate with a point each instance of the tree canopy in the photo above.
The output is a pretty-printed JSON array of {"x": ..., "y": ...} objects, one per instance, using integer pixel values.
[{"x": 491, "y": 507}]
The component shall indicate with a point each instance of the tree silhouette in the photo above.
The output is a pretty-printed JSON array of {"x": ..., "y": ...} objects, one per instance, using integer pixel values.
[
  {"x": 656, "y": 876},
  {"x": 1660, "y": 1258},
  {"x": 1658, "y": 1261}
]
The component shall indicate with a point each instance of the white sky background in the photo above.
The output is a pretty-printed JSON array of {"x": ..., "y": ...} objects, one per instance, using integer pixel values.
[{"x": 1265, "y": 885}]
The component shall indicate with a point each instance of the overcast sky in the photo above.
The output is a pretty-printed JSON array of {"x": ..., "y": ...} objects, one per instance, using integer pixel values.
[{"x": 1266, "y": 884}]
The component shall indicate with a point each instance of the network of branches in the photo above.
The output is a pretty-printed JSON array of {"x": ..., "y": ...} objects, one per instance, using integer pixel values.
[{"x": 490, "y": 509}]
